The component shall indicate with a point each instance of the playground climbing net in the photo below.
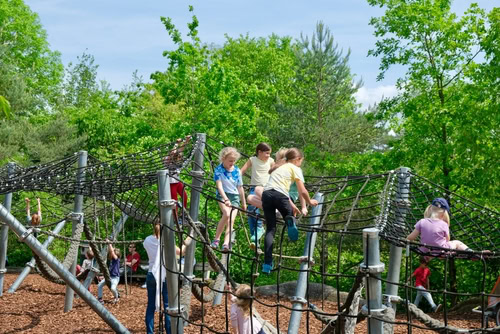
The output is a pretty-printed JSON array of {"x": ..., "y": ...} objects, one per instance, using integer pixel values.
[{"x": 391, "y": 202}]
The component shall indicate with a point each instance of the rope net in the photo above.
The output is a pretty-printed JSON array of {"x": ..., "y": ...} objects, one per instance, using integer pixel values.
[{"x": 350, "y": 204}]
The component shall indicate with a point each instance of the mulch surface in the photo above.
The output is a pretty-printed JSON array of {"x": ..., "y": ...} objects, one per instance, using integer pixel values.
[{"x": 37, "y": 307}]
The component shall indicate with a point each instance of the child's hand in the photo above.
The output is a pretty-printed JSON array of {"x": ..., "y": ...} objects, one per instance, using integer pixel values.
[
  {"x": 296, "y": 210},
  {"x": 304, "y": 211},
  {"x": 227, "y": 202},
  {"x": 27, "y": 200},
  {"x": 244, "y": 207},
  {"x": 313, "y": 202},
  {"x": 38, "y": 199}
]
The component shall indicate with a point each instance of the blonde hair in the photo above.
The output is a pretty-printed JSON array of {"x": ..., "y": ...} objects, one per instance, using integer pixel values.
[
  {"x": 244, "y": 298},
  {"x": 285, "y": 155},
  {"x": 438, "y": 213},
  {"x": 157, "y": 228},
  {"x": 90, "y": 254},
  {"x": 117, "y": 253},
  {"x": 227, "y": 151},
  {"x": 35, "y": 219}
]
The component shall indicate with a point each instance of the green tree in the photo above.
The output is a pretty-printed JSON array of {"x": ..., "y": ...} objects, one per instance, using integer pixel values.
[
  {"x": 446, "y": 126},
  {"x": 26, "y": 52}
]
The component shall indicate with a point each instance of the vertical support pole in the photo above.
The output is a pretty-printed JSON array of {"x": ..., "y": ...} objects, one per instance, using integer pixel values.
[
  {"x": 4, "y": 232},
  {"x": 70, "y": 279},
  {"x": 391, "y": 290},
  {"x": 80, "y": 177},
  {"x": 30, "y": 265},
  {"x": 305, "y": 265},
  {"x": 166, "y": 205},
  {"x": 196, "y": 185},
  {"x": 372, "y": 265}
]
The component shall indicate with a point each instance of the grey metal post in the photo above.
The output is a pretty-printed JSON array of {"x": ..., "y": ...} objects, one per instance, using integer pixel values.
[
  {"x": 104, "y": 252},
  {"x": 82, "y": 163},
  {"x": 4, "y": 232},
  {"x": 196, "y": 185},
  {"x": 391, "y": 290},
  {"x": 372, "y": 265},
  {"x": 30, "y": 265},
  {"x": 166, "y": 205},
  {"x": 70, "y": 279},
  {"x": 305, "y": 265}
]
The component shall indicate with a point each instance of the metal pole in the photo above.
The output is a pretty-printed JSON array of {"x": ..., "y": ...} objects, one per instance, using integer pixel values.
[
  {"x": 104, "y": 252},
  {"x": 166, "y": 205},
  {"x": 306, "y": 263},
  {"x": 70, "y": 279},
  {"x": 373, "y": 266},
  {"x": 82, "y": 163},
  {"x": 391, "y": 290},
  {"x": 196, "y": 185},
  {"x": 4, "y": 232},
  {"x": 30, "y": 265}
]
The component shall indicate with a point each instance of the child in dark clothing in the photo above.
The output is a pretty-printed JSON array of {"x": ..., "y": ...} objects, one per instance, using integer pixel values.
[{"x": 114, "y": 272}]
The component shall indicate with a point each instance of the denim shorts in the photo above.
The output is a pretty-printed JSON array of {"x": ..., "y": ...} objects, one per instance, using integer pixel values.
[{"x": 233, "y": 198}]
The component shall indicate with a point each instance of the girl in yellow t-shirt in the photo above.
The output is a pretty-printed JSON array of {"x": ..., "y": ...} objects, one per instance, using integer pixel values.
[{"x": 276, "y": 196}]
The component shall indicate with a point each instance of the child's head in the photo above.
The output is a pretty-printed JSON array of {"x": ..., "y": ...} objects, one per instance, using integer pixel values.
[
  {"x": 89, "y": 254},
  {"x": 439, "y": 209},
  {"x": 35, "y": 219},
  {"x": 280, "y": 155},
  {"x": 295, "y": 156},
  {"x": 263, "y": 151},
  {"x": 243, "y": 294},
  {"x": 423, "y": 260},
  {"x": 157, "y": 227},
  {"x": 228, "y": 156},
  {"x": 131, "y": 248}
]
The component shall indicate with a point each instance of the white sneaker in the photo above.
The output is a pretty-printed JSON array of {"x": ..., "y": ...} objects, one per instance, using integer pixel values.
[{"x": 144, "y": 286}]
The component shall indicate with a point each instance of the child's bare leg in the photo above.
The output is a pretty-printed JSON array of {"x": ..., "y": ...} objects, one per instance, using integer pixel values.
[
  {"x": 223, "y": 221},
  {"x": 457, "y": 244},
  {"x": 229, "y": 228},
  {"x": 255, "y": 201}
]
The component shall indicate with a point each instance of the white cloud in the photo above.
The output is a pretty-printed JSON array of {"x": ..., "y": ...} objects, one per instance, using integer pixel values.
[{"x": 370, "y": 96}]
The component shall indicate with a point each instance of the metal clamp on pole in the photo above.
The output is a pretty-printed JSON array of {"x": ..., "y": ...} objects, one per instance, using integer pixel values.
[
  {"x": 3, "y": 271},
  {"x": 387, "y": 299},
  {"x": 374, "y": 269},
  {"x": 197, "y": 173},
  {"x": 168, "y": 203},
  {"x": 307, "y": 259},
  {"x": 199, "y": 224},
  {"x": 379, "y": 312},
  {"x": 31, "y": 264},
  {"x": 175, "y": 311},
  {"x": 296, "y": 299},
  {"x": 75, "y": 216},
  {"x": 27, "y": 233}
]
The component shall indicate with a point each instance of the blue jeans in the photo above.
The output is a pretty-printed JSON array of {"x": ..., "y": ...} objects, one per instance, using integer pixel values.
[
  {"x": 254, "y": 224},
  {"x": 150, "y": 309}
]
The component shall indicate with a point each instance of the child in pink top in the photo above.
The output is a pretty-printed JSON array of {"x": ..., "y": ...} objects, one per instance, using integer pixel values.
[
  {"x": 240, "y": 313},
  {"x": 434, "y": 228}
]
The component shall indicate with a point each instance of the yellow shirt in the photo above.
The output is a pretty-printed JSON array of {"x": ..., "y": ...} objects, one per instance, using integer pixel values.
[
  {"x": 283, "y": 177},
  {"x": 260, "y": 171}
]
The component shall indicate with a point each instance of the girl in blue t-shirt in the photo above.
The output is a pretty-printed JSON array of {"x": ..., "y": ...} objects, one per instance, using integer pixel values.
[
  {"x": 114, "y": 272},
  {"x": 227, "y": 177}
]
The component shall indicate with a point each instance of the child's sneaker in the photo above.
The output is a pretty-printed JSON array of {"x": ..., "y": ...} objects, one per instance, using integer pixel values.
[
  {"x": 266, "y": 268},
  {"x": 116, "y": 300},
  {"x": 260, "y": 232},
  {"x": 293, "y": 232},
  {"x": 438, "y": 308},
  {"x": 226, "y": 248},
  {"x": 215, "y": 244},
  {"x": 101, "y": 301}
]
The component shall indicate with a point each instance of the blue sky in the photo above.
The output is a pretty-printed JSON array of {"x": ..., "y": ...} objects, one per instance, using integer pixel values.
[{"x": 127, "y": 35}]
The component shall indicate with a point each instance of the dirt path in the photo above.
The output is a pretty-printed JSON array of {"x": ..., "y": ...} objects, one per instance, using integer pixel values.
[{"x": 37, "y": 307}]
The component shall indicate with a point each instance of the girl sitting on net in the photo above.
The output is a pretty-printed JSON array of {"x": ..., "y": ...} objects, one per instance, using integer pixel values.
[
  {"x": 434, "y": 228},
  {"x": 260, "y": 164},
  {"x": 240, "y": 312},
  {"x": 276, "y": 196},
  {"x": 229, "y": 185}
]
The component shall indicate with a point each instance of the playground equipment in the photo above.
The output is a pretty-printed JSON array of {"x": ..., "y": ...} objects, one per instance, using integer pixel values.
[{"x": 354, "y": 212}]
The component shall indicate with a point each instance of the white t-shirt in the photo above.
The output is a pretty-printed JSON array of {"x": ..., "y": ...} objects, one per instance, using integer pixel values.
[
  {"x": 242, "y": 323},
  {"x": 151, "y": 247},
  {"x": 283, "y": 177},
  {"x": 260, "y": 171}
]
